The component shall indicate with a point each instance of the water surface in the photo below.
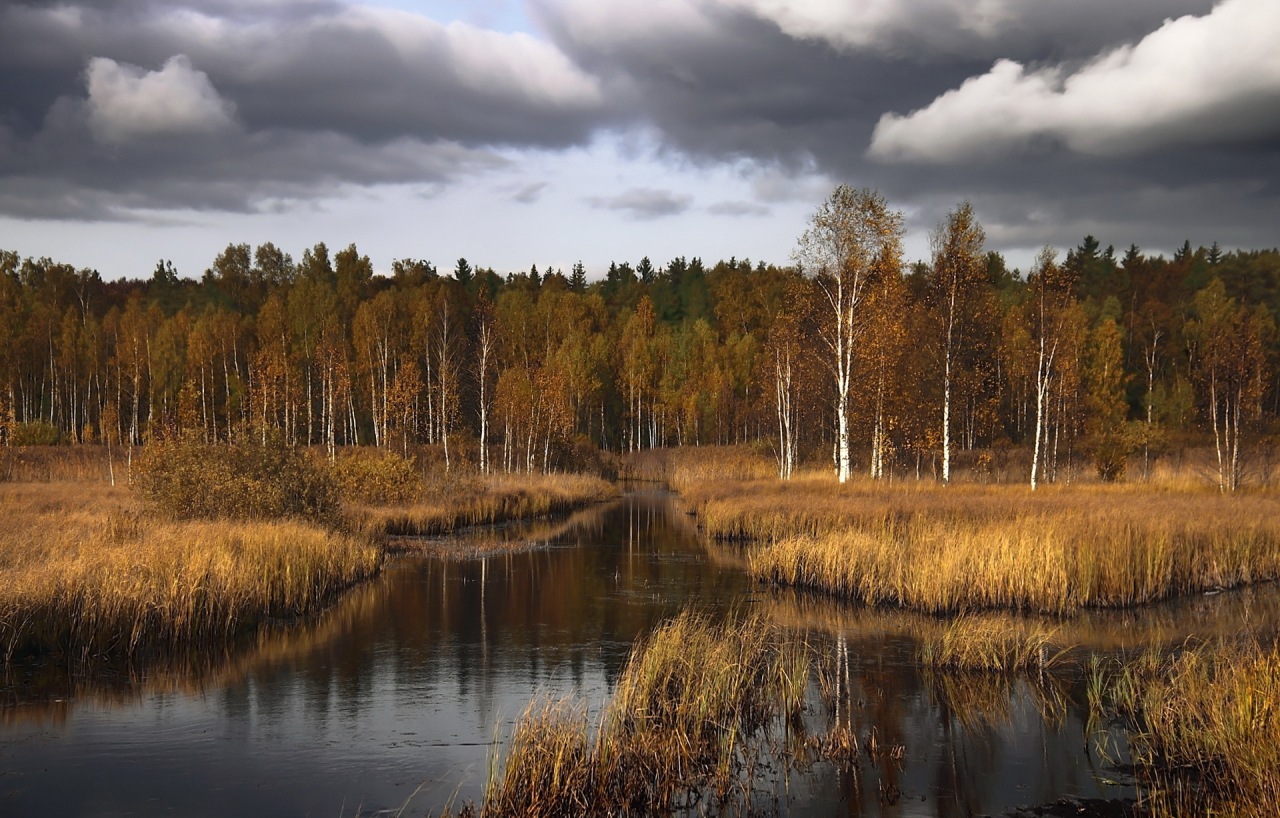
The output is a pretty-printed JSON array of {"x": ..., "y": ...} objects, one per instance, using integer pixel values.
[{"x": 398, "y": 693}]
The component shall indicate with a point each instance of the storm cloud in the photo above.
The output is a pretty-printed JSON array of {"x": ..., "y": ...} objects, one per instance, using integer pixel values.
[
  {"x": 220, "y": 104},
  {"x": 1147, "y": 121}
]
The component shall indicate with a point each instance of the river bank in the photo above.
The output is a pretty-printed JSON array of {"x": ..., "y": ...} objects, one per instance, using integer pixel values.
[{"x": 206, "y": 547}]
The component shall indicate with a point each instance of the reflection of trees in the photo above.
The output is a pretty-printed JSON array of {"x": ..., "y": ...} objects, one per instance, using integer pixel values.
[
  {"x": 565, "y": 616},
  {"x": 541, "y": 615},
  {"x": 983, "y": 742}
]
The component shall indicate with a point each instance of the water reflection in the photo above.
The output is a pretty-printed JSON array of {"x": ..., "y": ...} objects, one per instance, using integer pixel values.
[{"x": 410, "y": 677}]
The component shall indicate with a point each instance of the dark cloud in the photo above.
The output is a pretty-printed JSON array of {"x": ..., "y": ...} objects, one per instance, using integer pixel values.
[
  {"x": 1052, "y": 116},
  {"x": 530, "y": 193},
  {"x": 1125, "y": 122},
  {"x": 220, "y": 104},
  {"x": 738, "y": 209},
  {"x": 644, "y": 203}
]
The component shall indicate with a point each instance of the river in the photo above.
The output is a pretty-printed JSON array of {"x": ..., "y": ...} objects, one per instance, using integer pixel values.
[{"x": 392, "y": 701}]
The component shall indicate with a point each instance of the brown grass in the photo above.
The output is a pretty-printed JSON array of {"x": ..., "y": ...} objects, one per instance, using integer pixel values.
[
  {"x": 487, "y": 541},
  {"x": 43, "y": 464},
  {"x": 84, "y": 573},
  {"x": 448, "y": 504},
  {"x": 686, "y": 716},
  {"x": 1204, "y": 729},
  {"x": 86, "y": 569},
  {"x": 965, "y": 547},
  {"x": 687, "y": 466},
  {"x": 989, "y": 644}
]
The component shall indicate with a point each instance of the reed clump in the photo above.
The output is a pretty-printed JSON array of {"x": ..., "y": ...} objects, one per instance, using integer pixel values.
[
  {"x": 686, "y": 719},
  {"x": 960, "y": 548},
  {"x": 1204, "y": 728},
  {"x": 687, "y": 466},
  {"x": 449, "y": 503},
  {"x": 989, "y": 644}
]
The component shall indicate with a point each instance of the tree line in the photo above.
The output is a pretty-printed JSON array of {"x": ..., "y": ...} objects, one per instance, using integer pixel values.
[{"x": 847, "y": 354}]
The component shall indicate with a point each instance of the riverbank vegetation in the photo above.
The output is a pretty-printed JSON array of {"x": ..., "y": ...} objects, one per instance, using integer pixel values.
[
  {"x": 85, "y": 573},
  {"x": 969, "y": 546},
  {"x": 474, "y": 500},
  {"x": 1067, "y": 551},
  {"x": 212, "y": 542},
  {"x": 1203, "y": 726},
  {"x": 698, "y": 711}
]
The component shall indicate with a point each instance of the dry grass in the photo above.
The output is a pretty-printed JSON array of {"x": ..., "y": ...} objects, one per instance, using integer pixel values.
[
  {"x": 83, "y": 573},
  {"x": 449, "y": 504},
  {"x": 990, "y": 644},
  {"x": 684, "y": 467},
  {"x": 965, "y": 547},
  {"x": 687, "y": 717},
  {"x": 1204, "y": 729},
  {"x": 43, "y": 464},
  {"x": 87, "y": 570},
  {"x": 486, "y": 541}
]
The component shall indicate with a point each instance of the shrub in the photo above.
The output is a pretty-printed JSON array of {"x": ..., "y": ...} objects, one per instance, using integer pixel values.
[
  {"x": 36, "y": 433},
  {"x": 378, "y": 478},
  {"x": 249, "y": 480}
]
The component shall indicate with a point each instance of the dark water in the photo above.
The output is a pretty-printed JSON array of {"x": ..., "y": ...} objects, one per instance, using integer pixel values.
[{"x": 397, "y": 694}]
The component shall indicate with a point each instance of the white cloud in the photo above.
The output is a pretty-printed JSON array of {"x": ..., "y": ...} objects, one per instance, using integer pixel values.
[
  {"x": 127, "y": 103},
  {"x": 489, "y": 62},
  {"x": 920, "y": 29},
  {"x": 1195, "y": 80},
  {"x": 875, "y": 24},
  {"x": 610, "y": 21}
]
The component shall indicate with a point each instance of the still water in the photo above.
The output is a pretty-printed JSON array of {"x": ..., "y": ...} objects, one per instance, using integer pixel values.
[{"x": 397, "y": 695}]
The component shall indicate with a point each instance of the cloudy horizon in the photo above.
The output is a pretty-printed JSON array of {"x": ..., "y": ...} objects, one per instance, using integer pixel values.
[{"x": 551, "y": 131}]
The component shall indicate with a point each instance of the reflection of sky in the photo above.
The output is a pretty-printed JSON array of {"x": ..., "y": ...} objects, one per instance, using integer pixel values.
[{"x": 407, "y": 681}]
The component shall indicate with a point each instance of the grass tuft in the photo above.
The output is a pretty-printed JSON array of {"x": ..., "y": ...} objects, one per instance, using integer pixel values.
[
  {"x": 686, "y": 717},
  {"x": 989, "y": 645},
  {"x": 1204, "y": 728}
]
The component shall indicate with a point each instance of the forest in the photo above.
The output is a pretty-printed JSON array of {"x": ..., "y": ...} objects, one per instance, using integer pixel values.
[{"x": 847, "y": 354}]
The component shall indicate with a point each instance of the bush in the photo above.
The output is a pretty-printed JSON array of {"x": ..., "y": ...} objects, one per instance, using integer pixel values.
[
  {"x": 36, "y": 433},
  {"x": 249, "y": 480},
  {"x": 1111, "y": 455},
  {"x": 378, "y": 478}
]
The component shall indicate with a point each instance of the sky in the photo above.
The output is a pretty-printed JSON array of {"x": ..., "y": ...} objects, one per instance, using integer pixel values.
[{"x": 519, "y": 132}]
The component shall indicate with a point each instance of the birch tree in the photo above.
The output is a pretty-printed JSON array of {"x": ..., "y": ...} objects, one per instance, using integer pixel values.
[
  {"x": 1051, "y": 296},
  {"x": 485, "y": 352},
  {"x": 1228, "y": 350},
  {"x": 852, "y": 239},
  {"x": 958, "y": 274}
]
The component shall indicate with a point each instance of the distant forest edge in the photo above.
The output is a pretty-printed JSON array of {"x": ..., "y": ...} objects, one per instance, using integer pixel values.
[{"x": 1091, "y": 355}]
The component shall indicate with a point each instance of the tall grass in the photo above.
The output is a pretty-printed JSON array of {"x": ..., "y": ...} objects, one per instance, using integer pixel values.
[
  {"x": 990, "y": 644},
  {"x": 689, "y": 465},
  {"x": 43, "y": 464},
  {"x": 947, "y": 549},
  {"x": 1204, "y": 729},
  {"x": 84, "y": 573},
  {"x": 687, "y": 717},
  {"x": 447, "y": 504}
]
